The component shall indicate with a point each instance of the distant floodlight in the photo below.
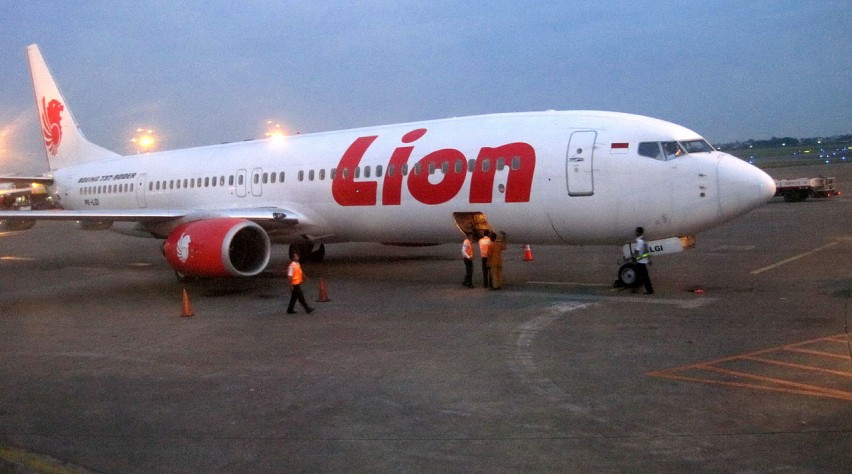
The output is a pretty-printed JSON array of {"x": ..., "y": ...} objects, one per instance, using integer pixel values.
[
  {"x": 274, "y": 130},
  {"x": 144, "y": 141}
]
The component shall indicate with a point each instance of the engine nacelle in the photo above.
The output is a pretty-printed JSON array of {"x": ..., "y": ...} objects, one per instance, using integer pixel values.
[
  {"x": 218, "y": 248},
  {"x": 17, "y": 224}
]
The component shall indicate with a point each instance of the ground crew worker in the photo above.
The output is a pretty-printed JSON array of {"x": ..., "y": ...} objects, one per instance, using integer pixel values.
[
  {"x": 495, "y": 260},
  {"x": 294, "y": 272},
  {"x": 484, "y": 245},
  {"x": 643, "y": 259},
  {"x": 467, "y": 256}
]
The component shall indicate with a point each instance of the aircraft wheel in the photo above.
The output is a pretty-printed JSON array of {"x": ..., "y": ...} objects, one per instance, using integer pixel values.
[
  {"x": 319, "y": 254},
  {"x": 307, "y": 253},
  {"x": 627, "y": 275}
]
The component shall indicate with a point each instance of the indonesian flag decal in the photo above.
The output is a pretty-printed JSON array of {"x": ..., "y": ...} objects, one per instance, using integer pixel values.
[
  {"x": 619, "y": 147},
  {"x": 51, "y": 129}
]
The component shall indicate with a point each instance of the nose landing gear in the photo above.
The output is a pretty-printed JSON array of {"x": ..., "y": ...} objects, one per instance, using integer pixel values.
[{"x": 626, "y": 277}]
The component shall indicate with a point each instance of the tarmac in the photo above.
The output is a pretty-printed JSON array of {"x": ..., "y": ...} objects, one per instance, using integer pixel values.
[{"x": 740, "y": 362}]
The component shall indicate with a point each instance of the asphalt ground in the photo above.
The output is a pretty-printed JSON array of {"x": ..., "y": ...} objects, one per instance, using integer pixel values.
[{"x": 740, "y": 362}]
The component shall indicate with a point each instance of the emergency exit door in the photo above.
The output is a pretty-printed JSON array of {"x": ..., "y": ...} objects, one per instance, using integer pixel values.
[
  {"x": 578, "y": 163},
  {"x": 141, "y": 182}
]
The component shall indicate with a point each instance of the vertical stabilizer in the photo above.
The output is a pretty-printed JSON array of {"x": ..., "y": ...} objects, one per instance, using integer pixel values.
[{"x": 63, "y": 141}]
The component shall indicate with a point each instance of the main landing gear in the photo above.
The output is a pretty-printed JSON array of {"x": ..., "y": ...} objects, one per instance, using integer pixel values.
[{"x": 307, "y": 253}]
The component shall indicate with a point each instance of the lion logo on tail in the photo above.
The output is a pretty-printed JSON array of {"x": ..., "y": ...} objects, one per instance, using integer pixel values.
[{"x": 51, "y": 129}]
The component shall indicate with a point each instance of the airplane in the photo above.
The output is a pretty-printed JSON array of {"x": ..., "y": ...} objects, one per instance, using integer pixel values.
[{"x": 551, "y": 177}]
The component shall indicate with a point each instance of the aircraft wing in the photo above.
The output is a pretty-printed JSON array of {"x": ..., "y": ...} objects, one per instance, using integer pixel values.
[
  {"x": 6, "y": 192},
  {"x": 26, "y": 180},
  {"x": 259, "y": 215}
]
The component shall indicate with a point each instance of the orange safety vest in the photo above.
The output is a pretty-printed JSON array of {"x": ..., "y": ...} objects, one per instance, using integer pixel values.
[
  {"x": 467, "y": 248},
  {"x": 484, "y": 243},
  {"x": 294, "y": 271}
]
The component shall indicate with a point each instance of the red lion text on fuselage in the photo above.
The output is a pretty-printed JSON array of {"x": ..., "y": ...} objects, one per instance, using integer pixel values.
[{"x": 518, "y": 157}]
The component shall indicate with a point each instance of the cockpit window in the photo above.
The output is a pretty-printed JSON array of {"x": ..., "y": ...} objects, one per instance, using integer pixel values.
[
  {"x": 662, "y": 151},
  {"x": 650, "y": 150},
  {"x": 696, "y": 146},
  {"x": 671, "y": 150}
]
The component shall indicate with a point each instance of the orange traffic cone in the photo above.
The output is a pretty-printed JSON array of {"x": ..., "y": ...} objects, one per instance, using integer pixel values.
[
  {"x": 187, "y": 306},
  {"x": 528, "y": 253},
  {"x": 323, "y": 291}
]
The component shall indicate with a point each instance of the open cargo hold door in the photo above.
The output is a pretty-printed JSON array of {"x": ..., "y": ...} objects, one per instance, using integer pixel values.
[{"x": 475, "y": 222}]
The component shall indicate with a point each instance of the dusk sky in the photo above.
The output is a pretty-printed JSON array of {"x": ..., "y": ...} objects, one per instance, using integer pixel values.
[{"x": 210, "y": 72}]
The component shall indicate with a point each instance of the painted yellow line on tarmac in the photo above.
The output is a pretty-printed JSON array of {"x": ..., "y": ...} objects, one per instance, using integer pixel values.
[
  {"x": 794, "y": 380},
  {"x": 32, "y": 462},
  {"x": 10, "y": 257},
  {"x": 792, "y": 259}
]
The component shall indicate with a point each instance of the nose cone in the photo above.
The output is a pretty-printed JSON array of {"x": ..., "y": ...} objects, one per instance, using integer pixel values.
[{"x": 742, "y": 187}]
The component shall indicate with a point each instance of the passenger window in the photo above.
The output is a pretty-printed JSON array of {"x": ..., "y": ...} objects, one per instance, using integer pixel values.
[
  {"x": 131, "y": 187},
  {"x": 366, "y": 171},
  {"x": 207, "y": 182},
  {"x": 322, "y": 174},
  {"x": 486, "y": 164},
  {"x": 301, "y": 175},
  {"x": 221, "y": 180},
  {"x": 213, "y": 182},
  {"x": 458, "y": 167},
  {"x": 333, "y": 173},
  {"x": 265, "y": 178},
  {"x": 378, "y": 171},
  {"x": 516, "y": 162},
  {"x": 240, "y": 180},
  {"x": 471, "y": 164},
  {"x": 405, "y": 169},
  {"x": 230, "y": 181},
  {"x": 311, "y": 175},
  {"x": 171, "y": 184},
  {"x": 501, "y": 163},
  {"x": 432, "y": 168},
  {"x": 445, "y": 166},
  {"x": 357, "y": 172},
  {"x": 272, "y": 178},
  {"x": 418, "y": 167},
  {"x": 281, "y": 177}
]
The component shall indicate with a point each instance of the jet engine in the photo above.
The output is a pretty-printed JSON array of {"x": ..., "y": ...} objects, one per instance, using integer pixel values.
[{"x": 226, "y": 247}]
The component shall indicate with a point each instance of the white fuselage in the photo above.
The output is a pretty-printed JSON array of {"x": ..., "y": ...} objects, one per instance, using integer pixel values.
[{"x": 588, "y": 185}]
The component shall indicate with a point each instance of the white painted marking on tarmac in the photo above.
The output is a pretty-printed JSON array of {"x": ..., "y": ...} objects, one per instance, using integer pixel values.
[
  {"x": 792, "y": 259},
  {"x": 685, "y": 303},
  {"x": 522, "y": 363},
  {"x": 567, "y": 283},
  {"x": 735, "y": 248}
]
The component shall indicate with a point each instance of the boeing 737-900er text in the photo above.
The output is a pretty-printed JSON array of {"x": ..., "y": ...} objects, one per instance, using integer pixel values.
[{"x": 555, "y": 177}]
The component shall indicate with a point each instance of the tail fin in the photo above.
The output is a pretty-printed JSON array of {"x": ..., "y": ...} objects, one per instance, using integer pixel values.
[{"x": 64, "y": 143}]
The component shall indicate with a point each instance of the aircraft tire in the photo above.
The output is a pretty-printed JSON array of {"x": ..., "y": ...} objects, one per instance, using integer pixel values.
[{"x": 627, "y": 275}]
